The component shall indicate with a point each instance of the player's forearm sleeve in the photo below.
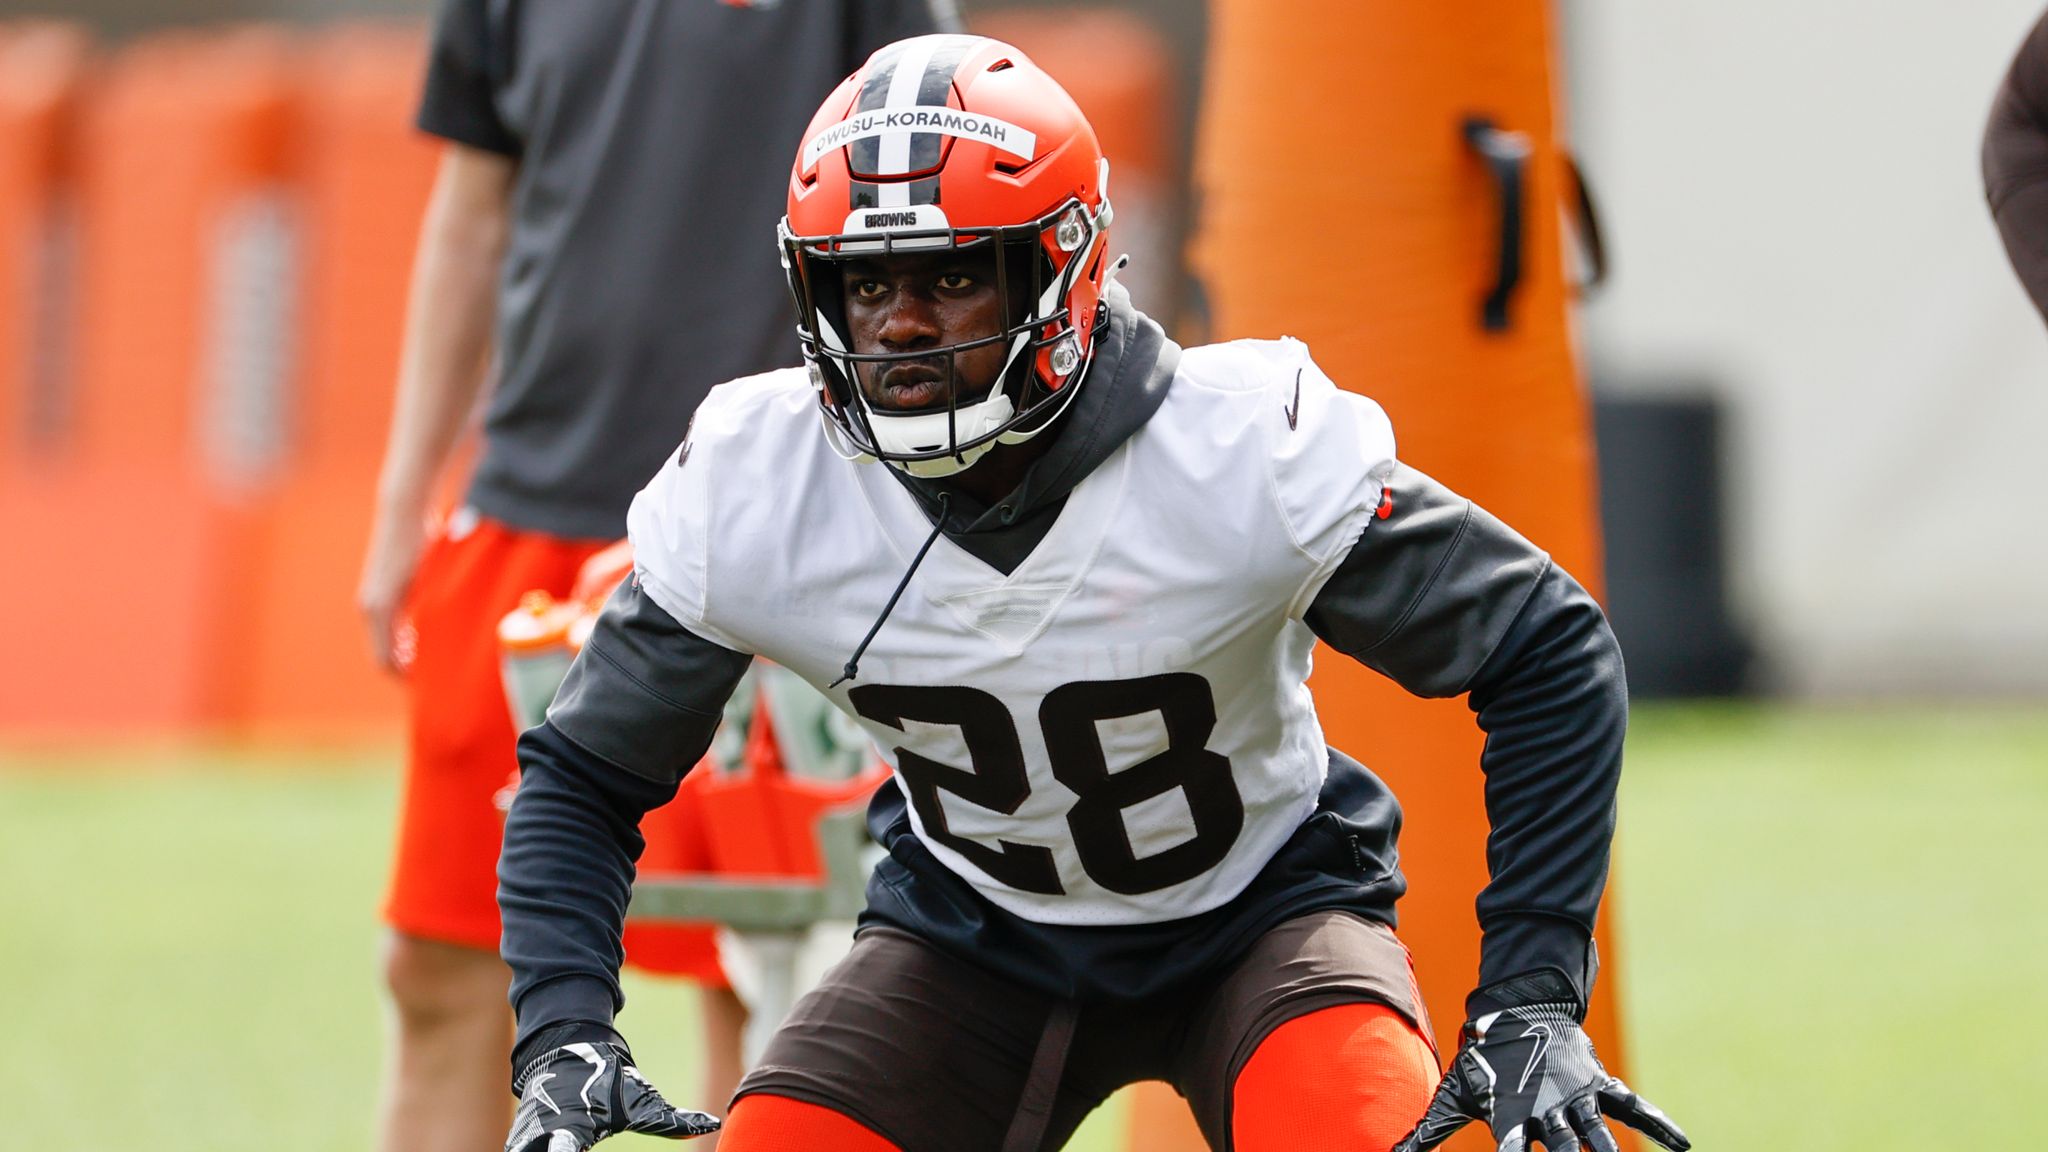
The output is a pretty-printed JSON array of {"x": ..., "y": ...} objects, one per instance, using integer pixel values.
[
  {"x": 1445, "y": 599},
  {"x": 2016, "y": 164},
  {"x": 565, "y": 875},
  {"x": 637, "y": 710},
  {"x": 1553, "y": 701}
]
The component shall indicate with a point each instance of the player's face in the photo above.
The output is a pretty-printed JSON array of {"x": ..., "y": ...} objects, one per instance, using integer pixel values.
[{"x": 911, "y": 302}]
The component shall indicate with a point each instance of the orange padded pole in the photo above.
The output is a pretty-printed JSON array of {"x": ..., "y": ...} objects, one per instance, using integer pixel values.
[
  {"x": 138, "y": 533},
  {"x": 1342, "y": 205},
  {"x": 182, "y": 149},
  {"x": 360, "y": 178},
  {"x": 363, "y": 176},
  {"x": 42, "y": 66}
]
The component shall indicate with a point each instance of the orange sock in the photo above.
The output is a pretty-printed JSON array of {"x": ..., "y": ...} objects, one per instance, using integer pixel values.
[
  {"x": 1354, "y": 1078},
  {"x": 764, "y": 1123}
]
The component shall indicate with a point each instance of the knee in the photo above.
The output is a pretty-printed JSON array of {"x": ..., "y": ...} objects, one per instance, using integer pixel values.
[
  {"x": 433, "y": 983},
  {"x": 1355, "y": 1077}
]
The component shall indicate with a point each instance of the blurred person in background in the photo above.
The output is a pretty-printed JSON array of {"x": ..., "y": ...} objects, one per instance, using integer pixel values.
[
  {"x": 2015, "y": 162},
  {"x": 592, "y": 244}
]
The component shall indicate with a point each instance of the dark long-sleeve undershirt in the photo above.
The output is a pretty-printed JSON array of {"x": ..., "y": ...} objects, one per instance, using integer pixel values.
[{"x": 574, "y": 828}]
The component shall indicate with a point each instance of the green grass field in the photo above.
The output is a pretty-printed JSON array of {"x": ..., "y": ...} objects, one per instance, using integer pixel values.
[{"x": 1832, "y": 925}]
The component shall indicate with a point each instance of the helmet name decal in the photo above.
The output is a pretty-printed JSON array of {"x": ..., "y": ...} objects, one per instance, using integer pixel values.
[{"x": 999, "y": 134}]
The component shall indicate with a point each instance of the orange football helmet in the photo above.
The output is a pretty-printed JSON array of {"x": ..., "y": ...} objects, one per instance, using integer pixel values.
[{"x": 951, "y": 142}]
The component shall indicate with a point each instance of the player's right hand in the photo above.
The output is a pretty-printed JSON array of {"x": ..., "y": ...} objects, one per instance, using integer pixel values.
[
  {"x": 575, "y": 1095},
  {"x": 396, "y": 543}
]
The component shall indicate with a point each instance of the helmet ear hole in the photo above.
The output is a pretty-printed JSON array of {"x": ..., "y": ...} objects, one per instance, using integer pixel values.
[{"x": 1018, "y": 167}]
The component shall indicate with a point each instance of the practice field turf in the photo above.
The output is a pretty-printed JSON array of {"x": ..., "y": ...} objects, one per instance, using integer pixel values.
[{"x": 1833, "y": 929}]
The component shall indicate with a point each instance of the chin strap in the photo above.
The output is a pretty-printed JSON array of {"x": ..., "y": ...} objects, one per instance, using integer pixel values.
[{"x": 852, "y": 669}]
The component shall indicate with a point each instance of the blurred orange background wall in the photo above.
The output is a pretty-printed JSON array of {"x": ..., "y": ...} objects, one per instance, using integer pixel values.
[{"x": 185, "y": 487}]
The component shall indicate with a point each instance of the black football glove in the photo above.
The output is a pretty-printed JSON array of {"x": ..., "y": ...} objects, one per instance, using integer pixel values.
[
  {"x": 1529, "y": 1074},
  {"x": 574, "y": 1095}
]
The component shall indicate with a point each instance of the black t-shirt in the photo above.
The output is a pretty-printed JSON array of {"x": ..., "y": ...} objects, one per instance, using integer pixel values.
[{"x": 654, "y": 140}]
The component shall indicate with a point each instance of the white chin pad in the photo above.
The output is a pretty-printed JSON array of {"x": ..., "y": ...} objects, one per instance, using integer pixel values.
[
  {"x": 943, "y": 466},
  {"x": 911, "y": 433}
]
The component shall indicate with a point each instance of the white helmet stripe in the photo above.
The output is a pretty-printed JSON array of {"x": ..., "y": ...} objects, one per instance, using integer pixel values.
[{"x": 904, "y": 86}]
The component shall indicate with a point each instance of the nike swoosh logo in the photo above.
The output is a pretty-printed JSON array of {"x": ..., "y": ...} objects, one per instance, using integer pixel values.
[
  {"x": 683, "y": 457},
  {"x": 1542, "y": 1032},
  {"x": 597, "y": 1063},
  {"x": 1294, "y": 410},
  {"x": 539, "y": 1088}
]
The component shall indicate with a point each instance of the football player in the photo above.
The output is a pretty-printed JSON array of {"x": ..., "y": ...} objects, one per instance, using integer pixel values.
[{"x": 1068, "y": 576}]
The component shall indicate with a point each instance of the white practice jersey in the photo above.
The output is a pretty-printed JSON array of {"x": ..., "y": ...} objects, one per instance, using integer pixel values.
[{"x": 1117, "y": 732}]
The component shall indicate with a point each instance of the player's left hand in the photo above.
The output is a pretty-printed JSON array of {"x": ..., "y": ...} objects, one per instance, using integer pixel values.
[
  {"x": 1529, "y": 1074},
  {"x": 577, "y": 1094}
]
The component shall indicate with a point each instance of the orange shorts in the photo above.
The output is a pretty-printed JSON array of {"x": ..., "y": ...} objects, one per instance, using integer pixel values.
[{"x": 459, "y": 751}]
